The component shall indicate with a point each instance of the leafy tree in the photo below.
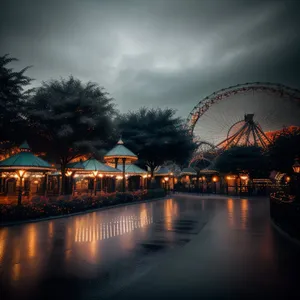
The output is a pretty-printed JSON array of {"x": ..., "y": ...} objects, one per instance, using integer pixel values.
[
  {"x": 242, "y": 158},
  {"x": 156, "y": 136},
  {"x": 71, "y": 118},
  {"x": 13, "y": 96},
  {"x": 283, "y": 150}
]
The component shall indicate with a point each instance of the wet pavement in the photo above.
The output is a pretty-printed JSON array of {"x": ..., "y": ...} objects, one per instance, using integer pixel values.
[{"x": 184, "y": 247}]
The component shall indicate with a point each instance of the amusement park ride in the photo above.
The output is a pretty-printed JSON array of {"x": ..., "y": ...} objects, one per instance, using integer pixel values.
[{"x": 247, "y": 131}]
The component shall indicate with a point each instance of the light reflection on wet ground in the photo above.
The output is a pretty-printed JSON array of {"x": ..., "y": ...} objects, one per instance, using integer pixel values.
[{"x": 96, "y": 254}]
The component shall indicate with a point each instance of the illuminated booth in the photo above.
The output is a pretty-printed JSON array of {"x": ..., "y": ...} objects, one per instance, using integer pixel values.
[{"x": 24, "y": 174}]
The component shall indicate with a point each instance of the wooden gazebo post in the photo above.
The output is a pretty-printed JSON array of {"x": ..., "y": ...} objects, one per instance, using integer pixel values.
[{"x": 123, "y": 170}]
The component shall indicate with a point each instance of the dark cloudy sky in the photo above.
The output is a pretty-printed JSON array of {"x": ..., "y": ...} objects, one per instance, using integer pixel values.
[{"x": 155, "y": 52}]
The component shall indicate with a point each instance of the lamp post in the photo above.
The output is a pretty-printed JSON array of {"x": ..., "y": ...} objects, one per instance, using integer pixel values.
[
  {"x": 172, "y": 174},
  {"x": 20, "y": 174},
  {"x": 95, "y": 173},
  {"x": 101, "y": 182},
  {"x": 70, "y": 179},
  {"x": 215, "y": 179},
  {"x": 243, "y": 180},
  {"x": 166, "y": 182}
]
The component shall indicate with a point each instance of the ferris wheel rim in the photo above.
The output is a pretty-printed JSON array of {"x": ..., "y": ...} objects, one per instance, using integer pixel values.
[{"x": 203, "y": 105}]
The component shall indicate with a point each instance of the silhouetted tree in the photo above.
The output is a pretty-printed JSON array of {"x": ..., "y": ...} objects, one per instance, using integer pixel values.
[
  {"x": 156, "y": 135},
  {"x": 71, "y": 118},
  {"x": 241, "y": 158},
  {"x": 283, "y": 150},
  {"x": 14, "y": 92}
]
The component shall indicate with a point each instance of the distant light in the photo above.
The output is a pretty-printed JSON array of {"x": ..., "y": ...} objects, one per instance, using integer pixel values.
[{"x": 296, "y": 166}]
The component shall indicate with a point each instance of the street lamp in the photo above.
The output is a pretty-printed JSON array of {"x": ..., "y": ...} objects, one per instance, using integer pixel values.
[
  {"x": 215, "y": 179},
  {"x": 101, "y": 182}
]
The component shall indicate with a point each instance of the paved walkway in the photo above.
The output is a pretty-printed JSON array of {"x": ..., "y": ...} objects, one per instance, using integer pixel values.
[{"x": 184, "y": 247}]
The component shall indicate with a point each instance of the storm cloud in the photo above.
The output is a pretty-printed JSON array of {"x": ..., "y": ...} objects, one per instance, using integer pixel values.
[{"x": 155, "y": 52}]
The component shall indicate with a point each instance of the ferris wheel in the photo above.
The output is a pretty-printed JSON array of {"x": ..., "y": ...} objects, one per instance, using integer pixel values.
[{"x": 243, "y": 115}]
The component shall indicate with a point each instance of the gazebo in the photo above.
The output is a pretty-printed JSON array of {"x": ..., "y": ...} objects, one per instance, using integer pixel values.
[
  {"x": 123, "y": 154},
  {"x": 164, "y": 174},
  {"x": 95, "y": 169},
  {"x": 24, "y": 165},
  {"x": 187, "y": 175},
  {"x": 132, "y": 170}
]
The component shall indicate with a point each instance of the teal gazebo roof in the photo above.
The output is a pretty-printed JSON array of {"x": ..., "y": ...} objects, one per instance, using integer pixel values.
[
  {"x": 93, "y": 164},
  {"x": 120, "y": 151},
  {"x": 162, "y": 171},
  {"x": 188, "y": 171},
  {"x": 25, "y": 160},
  {"x": 132, "y": 169},
  {"x": 75, "y": 166}
]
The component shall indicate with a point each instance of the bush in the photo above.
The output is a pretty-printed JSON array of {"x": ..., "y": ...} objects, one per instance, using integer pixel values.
[{"x": 42, "y": 207}]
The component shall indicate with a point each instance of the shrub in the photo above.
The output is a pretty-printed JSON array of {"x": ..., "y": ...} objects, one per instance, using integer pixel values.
[{"x": 41, "y": 207}]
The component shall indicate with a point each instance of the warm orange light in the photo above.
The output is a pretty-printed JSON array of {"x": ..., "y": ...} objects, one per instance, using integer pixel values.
[
  {"x": 69, "y": 173},
  {"x": 166, "y": 178},
  {"x": 21, "y": 173},
  {"x": 215, "y": 179},
  {"x": 288, "y": 178},
  {"x": 100, "y": 175},
  {"x": 144, "y": 176},
  {"x": 244, "y": 177},
  {"x": 95, "y": 173}
]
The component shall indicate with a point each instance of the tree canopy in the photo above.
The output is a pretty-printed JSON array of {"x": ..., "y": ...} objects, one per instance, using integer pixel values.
[
  {"x": 156, "y": 135},
  {"x": 14, "y": 92},
  {"x": 243, "y": 159},
  {"x": 284, "y": 149},
  {"x": 71, "y": 118}
]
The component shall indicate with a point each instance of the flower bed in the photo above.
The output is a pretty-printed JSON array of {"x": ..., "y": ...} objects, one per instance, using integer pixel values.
[{"x": 43, "y": 207}]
